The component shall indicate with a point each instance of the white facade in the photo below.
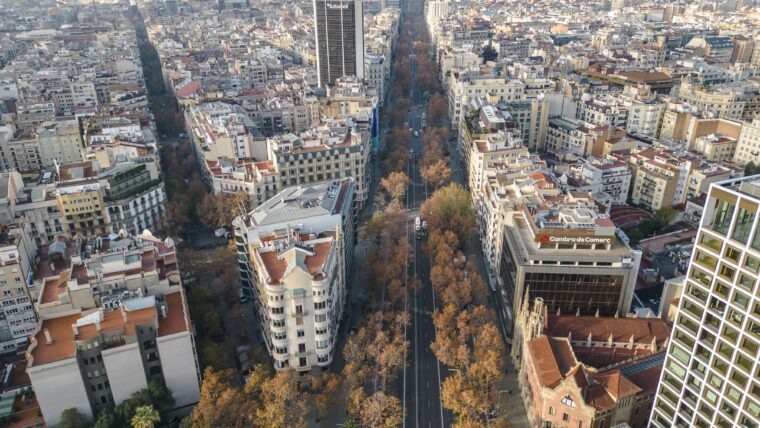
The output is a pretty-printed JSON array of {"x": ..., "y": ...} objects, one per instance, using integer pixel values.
[
  {"x": 748, "y": 145},
  {"x": 299, "y": 245},
  {"x": 144, "y": 210},
  {"x": 58, "y": 387},
  {"x": 125, "y": 371},
  {"x": 59, "y": 142},
  {"x": 181, "y": 367},
  {"x": 611, "y": 177},
  {"x": 463, "y": 88}
]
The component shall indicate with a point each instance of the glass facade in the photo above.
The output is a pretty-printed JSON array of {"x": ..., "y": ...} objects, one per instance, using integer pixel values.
[
  {"x": 336, "y": 28},
  {"x": 711, "y": 375}
]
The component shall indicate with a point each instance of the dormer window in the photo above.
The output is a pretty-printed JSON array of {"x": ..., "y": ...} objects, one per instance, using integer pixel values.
[{"x": 567, "y": 401}]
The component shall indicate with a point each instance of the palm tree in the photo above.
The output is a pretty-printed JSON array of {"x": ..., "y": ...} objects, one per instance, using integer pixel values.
[{"x": 145, "y": 417}]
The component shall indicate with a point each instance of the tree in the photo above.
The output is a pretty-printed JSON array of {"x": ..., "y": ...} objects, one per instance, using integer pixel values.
[
  {"x": 751, "y": 168},
  {"x": 395, "y": 184},
  {"x": 325, "y": 388},
  {"x": 437, "y": 174},
  {"x": 145, "y": 417},
  {"x": 221, "y": 403},
  {"x": 73, "y": 418},
  {"x": 489, "y": 53},
  {"x": 449, "y": 208},
  {"x": 282, "y": 404},
  {"x": 436, "y": 110},
  {"x": 665, "y": 215},
  {"x": 460, "y": 396},
  {"x": 381, "y": 411}
]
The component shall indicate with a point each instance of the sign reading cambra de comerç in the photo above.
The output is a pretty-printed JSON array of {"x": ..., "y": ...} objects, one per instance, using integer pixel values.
[
  {"x": 337, "y": 5},
  {"x": 569, "y": 237}
]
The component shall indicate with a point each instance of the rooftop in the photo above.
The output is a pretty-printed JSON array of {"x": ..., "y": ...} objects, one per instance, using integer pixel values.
[{"x": 297, "y": 203}]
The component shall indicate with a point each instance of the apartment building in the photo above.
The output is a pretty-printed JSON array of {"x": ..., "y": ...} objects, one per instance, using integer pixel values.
[
  {"x": 296, "y": 250},
  {"x": 503, "y": 189},
  {"x": 603, "y": 110},
  {"x": 588, "y": 371},
  {"x": 564, "y": 250},
  {"x": 19, "y": 150},
  {"x": 660, "y": 178},
  {"x": 645, "y": 116},
  {"x": 606, "y": 176},
  {"x": 462, "y": 87},
  {"x": 533, "y": 117},
  {"x": 17, "y": 317},
  {"x": 568, "y": 136},
  {"x": 113, "y": 316},
  {"x": 334, "y": 150},
  {"x": 80, "y": 199},
  {"x": 711, "y": 369},
  {"x": 488, "y": 137},
  {"x": 748, "y": 144},
  {"x": 701, "y": 178},
  {"x": 60, "y": 142}
]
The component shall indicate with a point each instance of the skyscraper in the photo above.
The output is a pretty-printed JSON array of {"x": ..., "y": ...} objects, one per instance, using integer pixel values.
[
  {"x": 712, "y": 371},
  {"x": 339, "y": 32}
]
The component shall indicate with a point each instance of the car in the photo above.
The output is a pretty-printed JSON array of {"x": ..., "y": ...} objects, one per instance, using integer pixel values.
[
  {"x": 416, "y": 133},
  {"x": 411, "y": 129}
]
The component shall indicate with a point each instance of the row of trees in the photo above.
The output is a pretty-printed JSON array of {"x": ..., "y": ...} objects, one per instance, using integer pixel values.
[
  {"x": 467, "y": 335},
  {"x": 375, "y": 354},
  {"x": 267, "y": 399}
]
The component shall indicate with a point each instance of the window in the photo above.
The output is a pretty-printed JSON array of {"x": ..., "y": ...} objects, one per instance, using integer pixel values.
[
  {"x": 565, "y": 417},
  {"x": 300, "y": 333},
  {"x": 302, "y": 362},
  {"x": 567, "y": 401},
  {"x": 551, "y": 410},
  {"x": 743, "y": 225},
  {"x": 722, "y": 218}
]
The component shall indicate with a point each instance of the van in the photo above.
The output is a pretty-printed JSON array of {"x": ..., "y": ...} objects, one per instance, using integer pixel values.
[{"x": 417, "y": 223}]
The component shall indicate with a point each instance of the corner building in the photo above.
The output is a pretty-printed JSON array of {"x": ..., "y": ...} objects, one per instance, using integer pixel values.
[
  {"x": 712, "y": 375},
  {"x": 294, "y": 254},
  {"x": 563, "y": 250}
]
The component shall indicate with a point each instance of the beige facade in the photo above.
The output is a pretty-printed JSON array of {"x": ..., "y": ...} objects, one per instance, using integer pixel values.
[{"x": 748, "y": 145}]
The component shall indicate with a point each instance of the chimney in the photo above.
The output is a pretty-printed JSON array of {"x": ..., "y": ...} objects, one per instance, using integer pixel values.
[
  {"x": 164, "y": 312},
  {"x": 75, "y": 329},
  {"x": 124, "y": 314},
  {"x": 48, "y": 337},
  {"x": 97, "y": 325}
]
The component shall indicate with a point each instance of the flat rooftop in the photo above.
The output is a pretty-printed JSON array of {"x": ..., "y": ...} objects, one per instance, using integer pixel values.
[{"x": 295, "y": 203}]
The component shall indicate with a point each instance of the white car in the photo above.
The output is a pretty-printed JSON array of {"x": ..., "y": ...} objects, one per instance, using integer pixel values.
[
  {"x": 416, "y": 133},
  {"x": 411, "y": 129}
]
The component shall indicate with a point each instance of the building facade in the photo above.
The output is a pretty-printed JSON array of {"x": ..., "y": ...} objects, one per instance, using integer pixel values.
[
  {"x": 339, "y": 35},
  {"x": 295, "y": 251},
  {"x": 711, "y": 369},
  {"x": 113, "y": 317}
]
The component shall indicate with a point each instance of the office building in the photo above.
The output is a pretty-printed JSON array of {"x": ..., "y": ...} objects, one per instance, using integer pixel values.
[
  {"x": 339, "y": 34},
  {"x": 565, "y": 251},
  {"x": 296, "y": 251},
  {"x": 712, "y": 370}
]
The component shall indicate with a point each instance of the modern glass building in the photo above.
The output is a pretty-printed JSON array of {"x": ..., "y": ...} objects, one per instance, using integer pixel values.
[
  {"x": 339, "y": 33},
  {"x": 711, "y": 376}
]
